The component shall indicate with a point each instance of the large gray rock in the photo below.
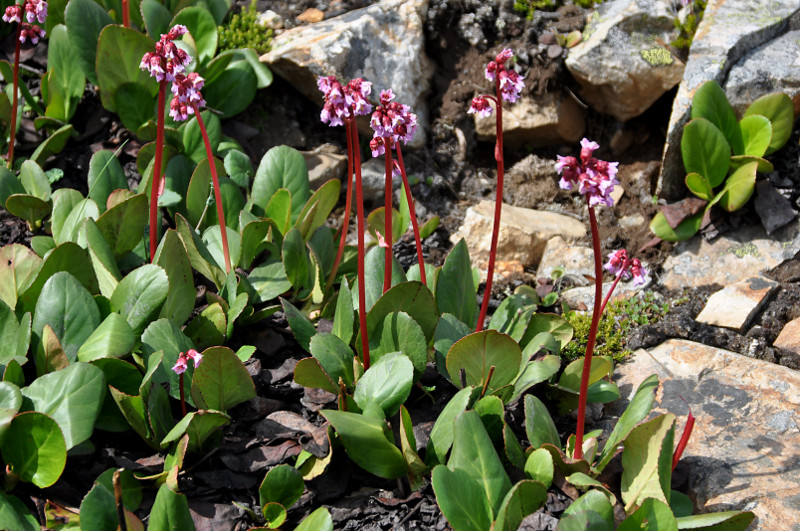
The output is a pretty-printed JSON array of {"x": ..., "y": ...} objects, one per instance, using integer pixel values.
[
  {"x": 742, "y": 454},
  {"x": 383, "y": 43},
  {"x": 623, "y": 63},
  {"x": 728, "y": 32}
]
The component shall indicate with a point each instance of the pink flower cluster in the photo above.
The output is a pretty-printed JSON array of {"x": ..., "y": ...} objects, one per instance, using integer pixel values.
[
  {"x": 35, "y": 11},
  {"x": 393, "y": 121},
  {"x": 168, "y": 60},
  {"x": 619, "y": 263},
  {"x": 595, "y": 178},
  {"x": 343, "y": 102},
  {"x": 182, "y": 364},
  {"x": 509, "y": 81},
  {"x": 187, "y": 96}
]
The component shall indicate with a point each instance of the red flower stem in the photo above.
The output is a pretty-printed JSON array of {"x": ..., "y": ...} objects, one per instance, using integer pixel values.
[
  {"x": 362, "y": 293},
  {"x": 498, "y": 205},
  {"x": 587, "y": 360},
  {"x": 687, "y": 433},
  {"x": 625, "y": 265},
  {"x": 14, "y": 100},
  {"x": 387, "y": 216},
  {"x": 346, "y": 221},
  {"x": 126, "y": 15},
  {"x": 156, "y": 184},
  {"x": 217, "y": 193},
  {"x": 413, "y": 212},
  {"x": 183, "y": 397}
]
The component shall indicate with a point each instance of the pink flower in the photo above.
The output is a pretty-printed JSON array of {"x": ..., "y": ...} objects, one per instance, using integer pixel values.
[
  {"x": 640, "y": 274},
  {"x": 617, "y": 261},
  {"x": 13, "y": 13},
  {"x": 504, "y": 56},
  {"x": 343, "y": 102},
  {"x": 619, "y": 264},
  {"x": 182, "y": 363},
  {"x": 595, "y": 178},
  {"x": 29, "y": 31},
  {"x": 491, "y": 70},
  {"x": 168, "y": 61},
  {"x": 186, "y": 89},
  {"x": 381, "y": 240},
  {"x": 36, "y": 10},
  {"x": 197, "y": 358},
  {"x": 511, "y": 85},
  {"x": 481, "y": 107},
  {"x": 393, "y": 120}
]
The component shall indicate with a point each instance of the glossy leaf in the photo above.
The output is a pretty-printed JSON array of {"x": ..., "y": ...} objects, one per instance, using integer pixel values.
[
  {"x": 212, "y": 237},
  {"x": 283, "y": 484},
  {"x": 652, "y": 514},
  {"x": 719, "y": 521},
  {"x": 400, "y": 333},
  {"x": 594, "y": 501},
  {"x": 269, "y": 280},
  {"x": 170, "y": 511},
  {"x": 513, "y": 315},
  {"x": 309, "y": 373},
  {"x": 53, "y": 145},
  {"x": 18, "y": 268},
  {"x": 28, "y": 207},
  {"x": 85, "y": 19},
  {"x": 10, "y": 403},
  {"x": 738, "y": 188},
  {"x": 524, "y": 498},
  {"x": 705, "y": 151},
  {"x": 34, "y": 449},
  {"x": 778, "y": 108},
  {"x": 539, "y": 425},
  {"x": 281, "y": 167},
  {"x": 140, "y": 295},
  {"x": 554, "y": 324},
  {"x": 319, "y": 520},
  {"x": 539, "y": 467},
  {"x": 202, "y": 30},
  {"x": 199, "y": 425},
  {"x": 478, "y": 352},
  {"x": 134, "y": 104},
  {"x": 335, "y": 357},
  {"x": 221, "y": 381},
  {"x": 233, "y": 91},
  {"x": 318, "y": 208},
  {"x": 462, "y": 499},
  {"x": 238, "y": 165},
  {"x": 711, "y": 103},
  {"x": 685, "y": 230},
  {"x": 164, "y": 335},
  {"x": 647, "y": 462},
  {"x": 756, "y": 135},
  {"x": 123, "y": 224},
  {"x": 535, "y": 372},
  {"x": 172, "y": 256},
  {"x": 199, "y": 256},
  {"x": 15, "y": 515},
  {"x": 449, "y": 330},
  {"x": 113, "y": 338},
  {"x": 387, "y": 383},
  {"x": 344, "y": 317},
  {"x": 455, "y": 291},
  {"x": 70, "y": 230},
  {"x": 119, "y": 53},
  {"x": 156, "y": 18},
  {"x": 66, "y": 78},
  {"x": 98, "y": 510},
  {"x": 412, "y": 298},
  {"x": 571, "y": 377},
  {"x": 699, "y": 186}
]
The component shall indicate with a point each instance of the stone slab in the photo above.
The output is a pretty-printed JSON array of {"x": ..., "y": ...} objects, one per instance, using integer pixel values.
[
  {"x": 789, "y": 338},
  {"x": 576, "y": 261},
  {"x": 744, "y": 453},
  {"x": 736, "y": 305}
]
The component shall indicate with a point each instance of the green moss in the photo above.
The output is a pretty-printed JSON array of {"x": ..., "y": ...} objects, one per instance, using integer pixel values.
[
  {"x": 528, "y": 7},
  {"x": 243, "y": 31},
  {"x": 657, "y": 56},
  {"x": 687, "y": 29}
]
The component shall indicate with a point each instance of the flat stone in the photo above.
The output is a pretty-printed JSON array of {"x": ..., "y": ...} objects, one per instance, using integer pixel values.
[
  {"x": 584, "y": 296},
  {"x": 728, "y": 32},
  {"x": 734, "y": 256},
  {"x": 789, "y": 338},
  {"x": 553, "y": 118},
  {"x": 383, "y": 43},
  {"x": 578, "y": 262},
  {"x": 622, "y": 63},
  {"x": 736, "y": 305},
  {"x": 324, "y": 166},
  {"x": 522, "y": 236},
  {"x": 743, "y": 451}
]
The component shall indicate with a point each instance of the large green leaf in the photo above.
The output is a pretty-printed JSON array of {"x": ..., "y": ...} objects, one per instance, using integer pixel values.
[
  {"x": 18, "y": 268},
  {"x": 474, "y": 453},
  {"x": 462, "y": 499},
  {"x": 170, "y": 511},
  {"x": 172, "y": 256},
  {"x": 524, "y": 498},
  {"x": 554, "y": 324},
  {"x": 647, "y": 462},
  {"x": 233, "y": 91},
  {"x": 69, "y": 309},
  {"x": 119, "y": 53},
  {"x": 539, "y": 425},
  {"x": 412, "y": 298},
  {"x": 319, "y": 520},
  {"x": 9, "y": 183},
  {"x": 28, "y": 207},
  {"x": 699, "y": 186},
  {"x": 449, "y": 330},
  {"x": 318, "y": 208},
  {"x": 34, "y": 449},
  {"x": 195, "y": 146},
  {"x": 221, "y": 381},
  {"x": 720, "y": 521},
  {"x": 571, "y": 377},
  {"x": 685, "y": 230},
  {"x": 134, "y": 104},
  {"x": 309, "y": 373},
  {"x": 335, "y": 357},
  {"x": 199, "y": 256},
  {"x": 442, "y": 434},
  {"x": 705, "y": 151},
  {"x": 10, "y": 402},
  {"x": 72, "y": 397},
  {"x": 212, "y": 237},
  {"x": 123, "y": 224},
  {"x": 113, "y": 338},
  {"x": 140, "y": 295},
  {"x": 67, "y": 77},
  {"x": 366, "y": 441},
  {"x": 269, "y": 280},
  {"x": 238, "y": 165},
  {"x": 102, "y": 257},
  {"x": 34, "y": 180},
  {"x": 738, "y": 188},
  {"x": 652, "y": 514},
  {"x": 344, "y": 317},
  {"x": 539, "y": 467},
  {"x": 373, "y": 289},
  {"x": 400, "y": 333},
  {"x": 513, "y": 316},
  {"x": 15, "y": 515},
  {"x": 535, "y": 372},
  {"x": 156, "y": 18},
  {"x": 283, "y": 484},
  {"x": 711, "y": 103},
  {"x": 387, "y": 383},
  {"x": 281, "y": 167},
  {"x": 778, "y": 108},
  {"x": 480, "y": 351},
  {"x": 83, "y": 210},
  {"x": 455, "y": 289},
  {"x": 756, "y": 135},
  {"x": 85, "y": 20},
  {"x": 200, "y": 426},
  {"x": 202, "y": 31}
]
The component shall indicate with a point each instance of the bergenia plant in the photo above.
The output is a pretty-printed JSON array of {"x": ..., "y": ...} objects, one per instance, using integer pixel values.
[
  {"x": 508, "y": 86},
  {"x": 180, "y": 367},
  {"x": 342, "y": 104},
  {"x": 595, "y": 179},
  {"x": 164, "y": 64},
  {"x": 187, "y": 100},
  {"x": 392, "y": 122},
  {"x": 35, "y": 11}
]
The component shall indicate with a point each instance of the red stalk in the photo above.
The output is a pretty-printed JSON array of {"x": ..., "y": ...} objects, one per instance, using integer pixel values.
[
  {"x": 587, "y": 360},
  {"x": 362, "y": 293},
  {"x": 346, "y": 221},
  {"x": 625, "y": 265},
  {"x": 498, "y": 205},
  {"x": 687, "y": 433},
  {"x": 14, "y": 100},
  {"x": 156, "y": 184},
  {"x": 183, "y": 398},
  {"x": 387, "y": 216},
  {"x": 413, "y": 212},
  {"x": 126, "y": 15},
  {"x": 217, "y": 194}
]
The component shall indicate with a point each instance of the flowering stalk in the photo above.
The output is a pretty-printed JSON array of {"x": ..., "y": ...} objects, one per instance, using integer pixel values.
[
  {"x": 347, "y": 205},
  {"x": 362, "y": 282},
  {"x": 687, "y": 433},
  {"x": 413, "y": 212},
  {"x": 156, "y": 184},
  {"x": 180, "y": 367},
  {"x": 387, "y": 218},
  {"x": 35, "y": 11},
  {"x": 126, "y": 15},
  {"x": 508, "y": 85}
]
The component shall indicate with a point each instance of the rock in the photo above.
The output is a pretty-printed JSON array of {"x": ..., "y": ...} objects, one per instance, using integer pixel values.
[
  {"x": 311, "y": 15},
  {"x": 383, "y": 43},
  {"x": 632, "y": 221},
  {"x": 789, "y": 338},
  {"x": 742, "y": 451},
  {"x": 373, "y": 176},
  {"x": 523, "y": 232},
  {"x": 729, "y": 31},
  {"x": 576, "y": 297},
  {"x": 772, "y": 208},
  {"x": 270, "y": 19},
  {"x": 736, "y": 305},
  {"x": 576, "y": 261},
  {"x": 553, "y": 118},
  {"x": 624, "y": 63},
  {"x": 324, "y": 165},
  {"x": 734, "y": 256}
]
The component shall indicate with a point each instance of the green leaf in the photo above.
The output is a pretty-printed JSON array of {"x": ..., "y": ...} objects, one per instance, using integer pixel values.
[
  {"x": 462, "y": 499},
  {"x": 513, "y": 316},
  {"x": 554, "y": 324},
  {"x": 9, "y": 184},
  {"x": 647, "y": 462},
  {"x": 412, "y": 298},
  {"x": 34, "y": 449},
  {"x": 221, "y": 381},
  {"x": 195, "y": 146},
  {"x": 756, "y": 135},
  {"x": 455, "y": 291},
  {"x": 18, "y": 268},
  {"x": 283, "y": 484},
  {"x": 301, "y": 327},
  {"x": 539, "y": 425},
  {"x": 202, "y": 30},
  {"x": 387, "y": 383},
  {"x": 376, "y": 224},
  {"x": 269, "y": 280},
  {"x": 764, "y": 166},
  {"x": 720, "y": 521},
  {"x": 69, "y": 309},
  {"x": 699, "y": 186},
  {"x": 199, "y": 425},
  {"x": 685, "y": 230},
  {"x": 119, "y": 53},
  {"x": 15, "y": 515},
  {"x": 64, "y": 63},
  {"x": 105, "y": 176},
  {"x": 594, "y": 501},
  {"x": 534, "y": 372},
  {"x": 200, "y": 258},
  {"x": 319, "y": 520},
  {"x": 238, "y": 165},
  {"x": 478, "y": 352},
  {"x": 10, "y": 402},
  {"x": 123, "y": 224},
  {"x": 705, "y": 151},
  {"x": 85, "y": 19},
  {"x": 98, "y": 510},
  {"x": 583, "y": 521},
  {"x": 583, "y": 482},
  {"x": 318, "y": 208},
  {"x": 474, "y": 453},
  {"x": 113, "y": 338},
  {"x": 212, "y": 237},
  {"x": 34, "y": 180},
  {"x": 738, "y": 188},
  {"x": 335, "y": 357},
  {"x": 156, "y": 18},
  {"x": 652, "y": 514},
  {"x": 279, "y": 209},
  {"x": 449, "y": 330},
  {"x": 172, "y": 256},
  {"x": 779, "y": 110},
  {"x": 208, "y": 328},
  {"x": 83, "y": 210},
  {"x": 344, "y": 317},
  {"x": 442, "y": 434},
  {"x": 262, "y": 72},
  {"x": 124, "y": 377},
  {"x": 30, "y": 208},
  {"x": 539, "y": 467},
  {"x": 400, "y": 333},
  {"x": 102, "y": 258},
  {"x": 524, "y": 498},
  {"x": 134, "y": 103},
  {"x": 374, "y": 263},
  {"x": 571, "y": 377},
  {"x": 170, "y": 511},
  {"x": 281, "y": 167},
  {"x": 233, "y": 91},
  {"x": 140, "y": 295},
  {"x": 366, "y": 442},
  {"x": 53, "y": 145},
  {"x": 711, "y": 103},
  {"x": 309, "y": 373}
]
